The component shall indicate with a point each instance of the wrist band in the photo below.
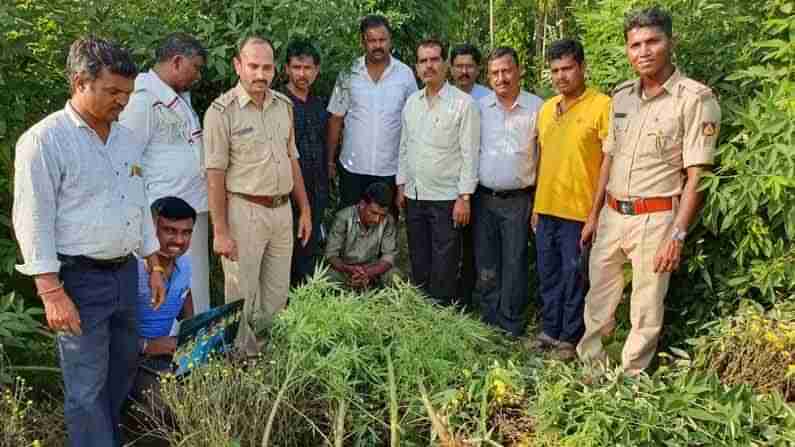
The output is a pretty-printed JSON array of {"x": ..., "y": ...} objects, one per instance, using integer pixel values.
[{"x": 54, "y": 289}]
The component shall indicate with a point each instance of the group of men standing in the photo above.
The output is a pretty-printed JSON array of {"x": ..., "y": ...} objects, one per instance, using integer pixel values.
[{"x": 477, "y": 171}]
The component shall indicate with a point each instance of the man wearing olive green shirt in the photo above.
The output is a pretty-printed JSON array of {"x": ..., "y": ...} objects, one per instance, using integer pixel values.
[
  {"x": 362, "y": 244},
  {"x": 437, "y": 172}
]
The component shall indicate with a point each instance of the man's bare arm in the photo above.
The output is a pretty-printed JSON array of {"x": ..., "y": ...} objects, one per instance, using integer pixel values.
[
  {"x": 333, "y": 134},
  {"x": 223, "y": 244}
]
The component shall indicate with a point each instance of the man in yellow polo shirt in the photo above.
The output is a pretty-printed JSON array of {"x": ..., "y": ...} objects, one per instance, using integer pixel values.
[{"x": 571, "y": 129}]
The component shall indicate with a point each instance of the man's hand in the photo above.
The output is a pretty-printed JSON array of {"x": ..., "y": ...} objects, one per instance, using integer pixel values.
[
  {"x": 668, "y": 256},
  {"x": 304, "y": 227},
  {"x": 400, "y": 197},
  {"x": 225, "y": 246},
  {"x": 161, "y": 346},
  {"x": 461, "y": 212},
  {"x": 588, "y": 231},
  {"x": 62, "y": 315},
  {"x": 158, "y": 287},
  {"x": 533, "y": 222}
]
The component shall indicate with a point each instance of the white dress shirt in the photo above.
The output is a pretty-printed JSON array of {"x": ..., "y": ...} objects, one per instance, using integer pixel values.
[
  {"x": 173, "y": 160},
  {"x": 439, "y": 145},
  {"x": 372, "y": 113},
  {"x": 508, "y": 154},
  {"x": 75, "y": 195}
]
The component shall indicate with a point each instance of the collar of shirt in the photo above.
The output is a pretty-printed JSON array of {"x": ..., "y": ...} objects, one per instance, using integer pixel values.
[
  {"x": 79, "y": 122},
  {"x": 443, "y": 94},
  {"x": 524, "y": 101},
  {"x": 363, "y": 229},
  {"x": 668, "y": 85},
  {"x": 243, "y": 98},
  {"x": 559, "y": 100},
  {"x": 361, "y": 68},
  {"x": 152, "y": 83}
]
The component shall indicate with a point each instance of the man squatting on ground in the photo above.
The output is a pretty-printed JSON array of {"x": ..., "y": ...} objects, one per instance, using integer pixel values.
[
  {"x": 79, "y": 214},
  {"x": 362, "y": 244}
]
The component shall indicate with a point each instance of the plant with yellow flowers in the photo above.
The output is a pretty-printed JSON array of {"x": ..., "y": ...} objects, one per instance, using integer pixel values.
[{"x": 754, "y": 347}]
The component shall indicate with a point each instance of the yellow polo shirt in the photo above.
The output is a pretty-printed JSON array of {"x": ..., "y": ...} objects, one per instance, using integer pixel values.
[{"x": 571, "y": 154}]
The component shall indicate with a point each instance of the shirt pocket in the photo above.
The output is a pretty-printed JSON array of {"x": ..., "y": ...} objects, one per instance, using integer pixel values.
[
  {"x": 621, "y": 135},
  {"x": 248, "y": 147},
  {"x": 665, "y": 142}
]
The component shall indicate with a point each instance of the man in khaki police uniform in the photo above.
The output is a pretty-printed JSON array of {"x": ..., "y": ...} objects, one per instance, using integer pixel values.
[
  {"x": 662, "y": 135},
  {"x": 252, "y": 166}
]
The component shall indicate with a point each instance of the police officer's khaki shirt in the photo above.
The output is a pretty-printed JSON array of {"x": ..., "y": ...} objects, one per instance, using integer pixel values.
[
  {"x": 253, "y": 145},
  {"x": 652, "y": 141}
]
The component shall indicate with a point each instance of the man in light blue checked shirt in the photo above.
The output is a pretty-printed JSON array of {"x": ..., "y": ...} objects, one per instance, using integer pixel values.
[{"x": 79, "y": 214}]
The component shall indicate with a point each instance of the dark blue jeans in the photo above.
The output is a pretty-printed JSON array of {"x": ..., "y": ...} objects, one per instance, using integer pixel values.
[
  {"x": 501, "y": 234},
  {"x": 99, "y": 365},
  {"x": 562, "y": 284}
]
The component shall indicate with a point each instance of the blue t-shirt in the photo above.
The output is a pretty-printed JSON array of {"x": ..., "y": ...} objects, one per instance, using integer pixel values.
[{"x": 157, "y": 323}]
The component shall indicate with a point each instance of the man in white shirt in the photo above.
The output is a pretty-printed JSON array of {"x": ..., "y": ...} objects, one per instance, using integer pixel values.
[
  {"x": 160, "y": 112},
  {"x": 79, "y": 213},
  {"x": 437, "y": 173},
  {"x": 369, "y": 99}
]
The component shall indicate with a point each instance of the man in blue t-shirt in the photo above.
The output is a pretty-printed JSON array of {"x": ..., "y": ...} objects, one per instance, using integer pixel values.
[{"x": 174, "y": 219}]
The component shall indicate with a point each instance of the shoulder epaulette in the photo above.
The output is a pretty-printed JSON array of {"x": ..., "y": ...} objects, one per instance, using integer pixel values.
[
  {"x": 623, "y": 85},
  {"x": 695, "y": 87},
  {"x": 222, "y": 102},
  {"x": 282, "y": 97}
]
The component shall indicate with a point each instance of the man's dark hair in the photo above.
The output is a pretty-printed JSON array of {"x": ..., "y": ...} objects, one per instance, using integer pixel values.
[
  {"x": 302, "y": 48},
  {"x": 566, "y": 47},
  {"x": 433, "y": 42},
  {"x": 374, "y": 21},
  {"x": 649, "y": 17},
  {"x": 379, "y": 193},
  {"x": 179, "y": 44},
  {"x": 253, "y": 38},
  {"x": 504, "y": 51},
  {"x": 465, "y": 49},
  {"x": 173, "y": 208},
  {"x": 89, "y": 55}
]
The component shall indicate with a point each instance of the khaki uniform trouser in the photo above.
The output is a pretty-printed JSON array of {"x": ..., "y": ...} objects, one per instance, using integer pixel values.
[
  {"x": 261, "y": 276},
  {"x": 619, "y": 239}
]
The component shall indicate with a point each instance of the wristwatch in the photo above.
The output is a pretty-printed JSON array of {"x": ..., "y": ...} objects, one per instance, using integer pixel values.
[{"x": 678, "y": 235}]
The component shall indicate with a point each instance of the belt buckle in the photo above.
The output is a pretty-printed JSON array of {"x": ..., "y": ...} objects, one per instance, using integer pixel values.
[
  {"x": 626, "y": 207},
  {"x": 279, "y": 200}
]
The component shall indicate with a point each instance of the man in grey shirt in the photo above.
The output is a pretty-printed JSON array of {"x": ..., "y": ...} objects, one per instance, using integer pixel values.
[
  {"x": 503, "y": 201},
  {"x": 79, "y": 213}
]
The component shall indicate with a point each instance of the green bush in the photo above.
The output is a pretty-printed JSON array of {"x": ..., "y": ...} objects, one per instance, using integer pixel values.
[{"x": 671, "y": 408}]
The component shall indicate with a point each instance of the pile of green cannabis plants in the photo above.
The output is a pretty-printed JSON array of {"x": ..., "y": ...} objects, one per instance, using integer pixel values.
[
  {"x": 753, "y": 347},
  {"x": 673, "y": 407},
  {"x": 341, "y": 368}
]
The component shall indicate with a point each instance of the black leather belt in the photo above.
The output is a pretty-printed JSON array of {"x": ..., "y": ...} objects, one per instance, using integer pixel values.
[
  {"x": 93, "y": 263},
  {"x": 505, "y": 193}
]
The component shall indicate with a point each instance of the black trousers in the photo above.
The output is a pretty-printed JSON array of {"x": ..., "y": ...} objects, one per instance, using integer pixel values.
[
  {"x": 434, "y": 247},
  {"x": 352, "y": 185},
  {"x": 501, "y": 228}
]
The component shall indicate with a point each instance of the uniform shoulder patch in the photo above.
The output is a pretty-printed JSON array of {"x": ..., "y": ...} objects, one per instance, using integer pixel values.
[{"x": 624, "y": 85}]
